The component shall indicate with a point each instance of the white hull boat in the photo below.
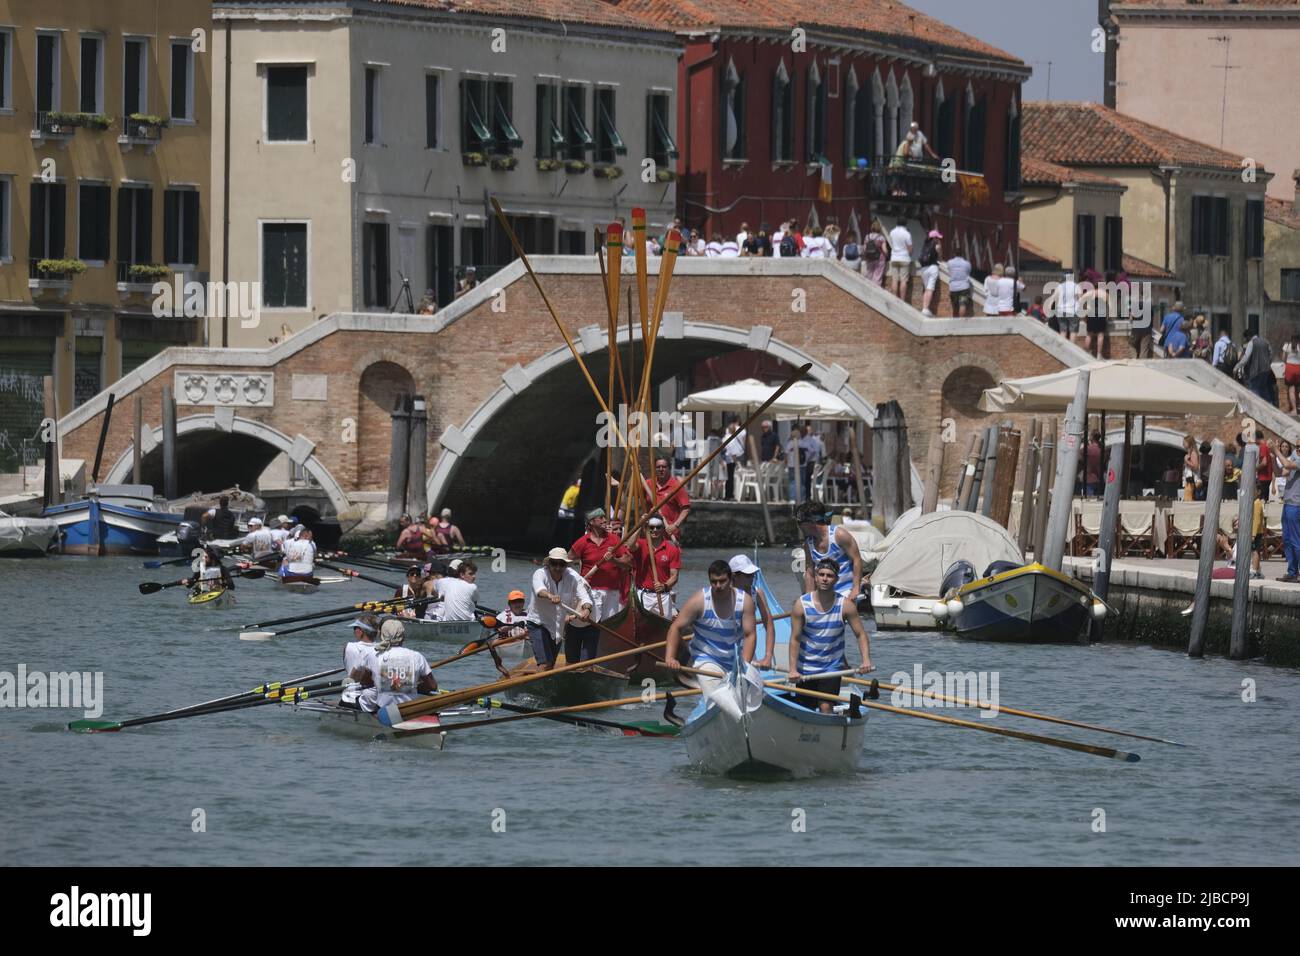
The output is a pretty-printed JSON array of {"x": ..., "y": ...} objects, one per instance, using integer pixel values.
[
  {"x": 780, "y": 737},
  {"x": 901, "y": 612},
  {"x": 447, "y": 632},
  {"x": 26, "y": 537},
  {"x": 423, "y": 731}
]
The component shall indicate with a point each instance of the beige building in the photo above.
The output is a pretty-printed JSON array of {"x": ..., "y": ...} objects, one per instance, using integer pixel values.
[
  {"x": 1187, "y": 208},
  {"x": 104, "y": 153},
  {"x": 1072, "y": 215},
  {"x": 1222, "y": 72},
  {"x": 365, "y": 139}
]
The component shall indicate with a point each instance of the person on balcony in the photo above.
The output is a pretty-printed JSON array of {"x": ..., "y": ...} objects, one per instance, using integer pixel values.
[{"x": 920, "y": 147}]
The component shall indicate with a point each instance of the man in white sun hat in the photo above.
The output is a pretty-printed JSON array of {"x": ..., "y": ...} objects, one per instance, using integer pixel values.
[
  {"x": 555, "y": 586},
  {"x": 282, "y": 531}
]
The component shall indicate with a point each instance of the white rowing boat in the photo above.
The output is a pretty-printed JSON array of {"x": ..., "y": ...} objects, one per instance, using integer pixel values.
[
  {"x": 780, "y": 737},
  {"x": 447, "y": 632},
  {"x": 422, "y": 731}
]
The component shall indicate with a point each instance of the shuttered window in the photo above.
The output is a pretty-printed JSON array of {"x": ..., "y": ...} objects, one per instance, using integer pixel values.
[
  {"x": 135, "y": 93},
  {"x": 181, "y": 227},
  {"x": 24, "y": 363},
  {"x": 88, "y": 370},
  {"x": 432, "y": 102},
  {"x": 49, "y": 216},
  {"x": 286, "y": 104},
  {"x": 284, "y": 265},
  {"x": 1254, "y": 229},
  {"x": 94, "y": 210},
  {"x": 135, "y": 225}
]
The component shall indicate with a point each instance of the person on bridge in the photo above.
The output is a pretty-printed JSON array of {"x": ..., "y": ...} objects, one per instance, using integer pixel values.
[
  {"x": 602, "y": 565},
  {"x": 819, "y": 543},
  {"x": 817, "y": 635},
  {"x": 676, "y": 503}
]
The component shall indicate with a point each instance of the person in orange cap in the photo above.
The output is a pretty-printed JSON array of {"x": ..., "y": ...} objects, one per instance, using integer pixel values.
[{"x": 511, "y": 621}]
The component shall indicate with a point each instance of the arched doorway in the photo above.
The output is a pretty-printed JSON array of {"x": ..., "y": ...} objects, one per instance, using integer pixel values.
[{"x": 381, "y": 384}]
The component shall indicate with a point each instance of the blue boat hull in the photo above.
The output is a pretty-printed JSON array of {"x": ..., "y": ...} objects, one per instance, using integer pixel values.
[{"x": 94, "y": 528}]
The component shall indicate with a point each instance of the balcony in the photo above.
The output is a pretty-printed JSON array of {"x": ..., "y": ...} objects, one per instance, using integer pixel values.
[
  {"x": 906, "y": 184},
  {"x": 54, "y": 126},
  {"x": 52, "y": 277},
  {"x": 137, "y": 278},
  {"x": 141, "y": 130}
]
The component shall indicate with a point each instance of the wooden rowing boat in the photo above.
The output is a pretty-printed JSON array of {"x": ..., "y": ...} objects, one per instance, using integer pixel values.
[
  {"x": 1029, "y": 604},
  {"x": 217, "y": 597},
  {"x": 446, "y": 632},
  {"x": 779, "y": 738},
  {"x": 566, "y": 690},
  {"x": 300, "y": 583},
  {"x": 420, "y": 731}
]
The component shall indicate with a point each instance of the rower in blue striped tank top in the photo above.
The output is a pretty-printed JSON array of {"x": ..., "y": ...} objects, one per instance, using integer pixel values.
[
  {"x": 716, "y": 637},
  {"x": 822, "y": 647},
  {"x": 842, "y": 548}
]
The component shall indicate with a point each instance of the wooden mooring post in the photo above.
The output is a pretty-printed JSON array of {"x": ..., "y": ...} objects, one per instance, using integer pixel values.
[
  {"x": 967, "y": 470},
  {"x": 1205, "y": 565},
  {"x": 1003, "y": 485},
  {"x": 417, "y": 494},
  {"x": 1067, "y": 465},
  {"x": 170, "y": 477},
  {"x": 1042, "y": 497},
  {"x": 891, "y": 462},
  {"x": 1109, "y": 530},
  {"x": 398, "y": 461},
  {"x": 933, "y": 473},
  {"x": 137, "y": 436},
  {"x": 1028, "y": 467},
  {"x": 1245, "y": 526}
]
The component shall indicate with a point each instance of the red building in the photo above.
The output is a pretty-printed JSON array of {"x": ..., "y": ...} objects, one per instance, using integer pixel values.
[{"x": 769, "y": 91}]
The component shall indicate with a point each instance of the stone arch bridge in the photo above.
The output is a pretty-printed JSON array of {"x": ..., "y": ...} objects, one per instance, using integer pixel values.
[{"x": 510, "y": 416}]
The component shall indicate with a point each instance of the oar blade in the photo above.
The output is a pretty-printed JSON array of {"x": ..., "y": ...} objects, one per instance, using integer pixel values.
[
  {"x": 152, "y": 565},
  {"x": 94, "y": 726},
  {"x": 1127, "y": 757},
  {"x": 256, "y": 635},
  {"x": 150, "y": 587}
]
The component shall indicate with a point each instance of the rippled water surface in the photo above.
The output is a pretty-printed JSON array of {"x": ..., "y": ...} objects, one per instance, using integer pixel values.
[{"x": 275, "y": 787}]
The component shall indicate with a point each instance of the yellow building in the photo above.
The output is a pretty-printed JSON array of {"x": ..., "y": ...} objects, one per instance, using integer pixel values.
[{"x": 104, "y": 185}]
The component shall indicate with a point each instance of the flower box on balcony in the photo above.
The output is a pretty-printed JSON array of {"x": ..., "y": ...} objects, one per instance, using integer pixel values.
[
  {"x": 473, "y": 159},
  {"x": 608, "y": 171},
  {"x": 503, "y": 164},
  {"x": 664, "y": 175},
  {"x": 576, "y": 166},
  {"x": 96, "y": 121},
  {"x": 54, "y": 275},
  {"x": 148, "y": 273},
  {"x": 549, "y": 165}
]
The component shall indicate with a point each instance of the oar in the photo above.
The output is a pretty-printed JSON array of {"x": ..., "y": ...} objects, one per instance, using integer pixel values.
[
  {"x": 627, "y": 730},
  {"x": 476, "y": 647},
  {"x": 953, "y": 721},
  {"x": 357, "y": 574},
  {"x": 108, "y": 726},
  {"x": 396, "y": 714},
  {"x": 550, "y": 712},
  {"x": 374, "y": 606},
  {"x": 153, "y": 587},
  {"x": 935, "y": 695},
  {"x": 267, "y": 635}
]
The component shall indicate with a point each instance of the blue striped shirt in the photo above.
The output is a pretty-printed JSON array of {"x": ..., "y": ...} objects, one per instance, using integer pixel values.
[
  {"x": 716, "y": 638},
  {"x": 821, "y": 646},
  {"x": 844, "y": 584}
]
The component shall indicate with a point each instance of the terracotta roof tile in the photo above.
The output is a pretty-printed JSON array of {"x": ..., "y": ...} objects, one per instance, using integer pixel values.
[
  {"x": 596, "y": 12},
  {"x": 1031, "y": 253},
  {"x": 1039, "y": 172},
  {"x": 888, "y": 20},
  {"x": 1281, "y": 211},
  {"x": 1089, "y": 134},
  {"x": 1141, "y": 269}
]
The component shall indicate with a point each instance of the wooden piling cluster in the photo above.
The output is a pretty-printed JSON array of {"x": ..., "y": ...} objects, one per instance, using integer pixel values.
[{"x": 408, "y": 454}]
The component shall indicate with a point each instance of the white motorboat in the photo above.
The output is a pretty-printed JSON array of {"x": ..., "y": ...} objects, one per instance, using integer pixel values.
[{"x": 26, "y": 537}]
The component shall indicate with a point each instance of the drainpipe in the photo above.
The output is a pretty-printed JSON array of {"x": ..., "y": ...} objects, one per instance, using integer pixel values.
[
  {"x": 225, "y": 204},
  {"x": 1166, "y": 182}
]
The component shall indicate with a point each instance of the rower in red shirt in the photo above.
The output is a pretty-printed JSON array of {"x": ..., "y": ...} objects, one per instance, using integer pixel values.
[
  {"x": 676, "y": 506},
  {"x": 604, "y": 567},
  {"x": 657, "y": 582}
]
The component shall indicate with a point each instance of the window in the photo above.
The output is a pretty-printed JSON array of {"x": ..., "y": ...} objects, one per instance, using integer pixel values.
[
  {"x": 134, "y": 227},
  {"x": 976, "y": 121},
  {"x": 94, "y": 209},
  {"x": 374, "y": 264},
  {"x": 1252, "y": 325},
  {"x": 47, "y": 72},
  {"x": 135, "y": 81},
  {"x": 945, "y": 128},
  {"x": 577, "y": 139},
  {"x": 1290, "y": 282},
  {"x": 1254, "y": 229},
  {"x": 1209, "y": 225},
  {"x": 6, "y": 73},
  {"x": 475, "y": 134},
  {"x": 549, "y": 135},
  {"x": 504, "y": 136},
  {"x": 472, "y": 247},
  {"x": 1011, "y": 172},
  {"x": 182, "y": 80},
  {"x": 181, "y": 227},
  {"x": 432, "y": 110},
  {"x": 662, "y": 148},
  {"x": 48, "y": 216},
  {"x": 92, "y": 75},
  {"x": 782, "y": 116},
  {"x": 1113, "y": 244},
  {"x": 284, "y": 265},
  {"x": 286, "y": 104},
  {"x": 372, "y": 106},
  {"x": 859, "y": 121},
  {"x": 609, "y": 145},
  {"x": 733, "y": 114},
  {"x": 6, "y": 251},
  {"x": 88, "y": 371},
  {"x": 573, "y": 242},
  {"x": 135, "y": 352},
  {"x": 905, "y": 107},
  {"x": 1085, "y": 243},
  {"x": 815, "y": 111}
]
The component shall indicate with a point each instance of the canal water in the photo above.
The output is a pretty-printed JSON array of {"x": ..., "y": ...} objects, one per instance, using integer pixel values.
[{"x": 268, "y": 786}]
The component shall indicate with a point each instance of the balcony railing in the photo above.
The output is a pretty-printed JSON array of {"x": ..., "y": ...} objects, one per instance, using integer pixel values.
[
  {"x": 55, "y": 123},
  {"x": 34, "y": 272},
  {"x": 144, "y": 129},
  {"x": 908, "y": 182},
  {"x": 141, "y": 277}
]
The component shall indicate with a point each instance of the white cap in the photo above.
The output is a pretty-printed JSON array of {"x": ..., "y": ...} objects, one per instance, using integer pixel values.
[
  {"x": 255, "y": 522},
  {"x": 742, "y": 565},
  {"x": 446, "y": 512},
  {"x": 454, "y": 564},
  {"x": 392, "y": 631},
  {"x": 282, "y": 519}
]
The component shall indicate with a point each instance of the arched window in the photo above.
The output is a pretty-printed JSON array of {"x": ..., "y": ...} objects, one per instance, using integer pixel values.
[
  {"x": 891, "y": 113},
  {"x": 1011, "y": 181},
  {"x": 782, "y": 115},
  {"x": 815, "y": 112},
  {"x": 904, "y": 108},
  {"x": 945, "y": 121},
  {"x": 733, "y": 113},
  {"x": 975, "y": 131},
  {"x": 878, "y": 146}
]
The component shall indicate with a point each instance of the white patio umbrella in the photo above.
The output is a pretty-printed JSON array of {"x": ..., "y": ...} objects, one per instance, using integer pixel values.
[{"x": 1128, "y": 386}]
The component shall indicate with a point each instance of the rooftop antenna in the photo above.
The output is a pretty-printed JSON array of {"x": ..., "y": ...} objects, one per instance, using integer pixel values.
[
  {"x": 1227, "y": 52},
  {"x": 1048, "y": 64}
]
